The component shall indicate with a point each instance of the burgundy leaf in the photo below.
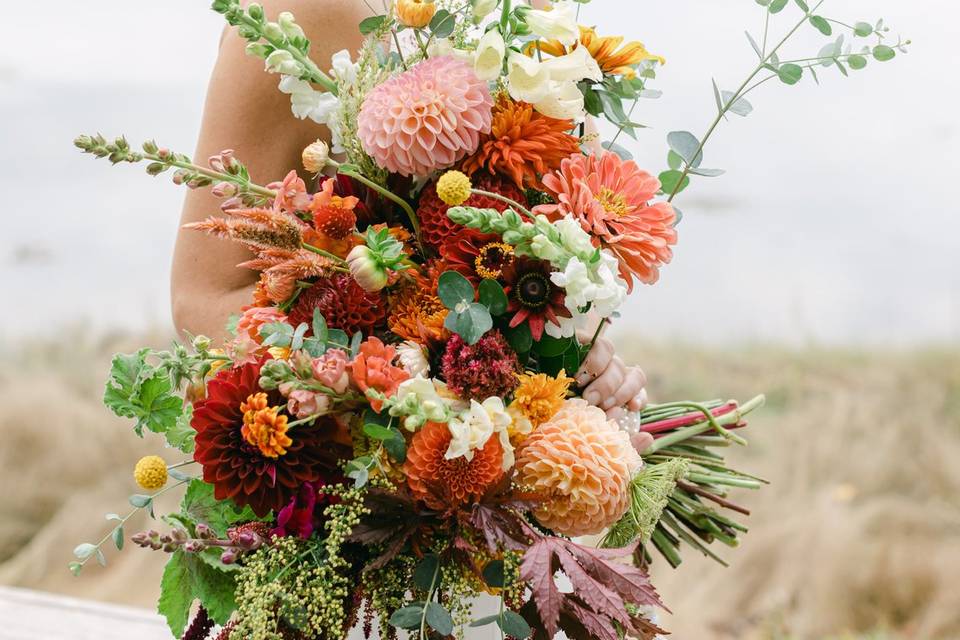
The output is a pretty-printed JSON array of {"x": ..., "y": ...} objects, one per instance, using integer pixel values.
[
  {"x": 631, "y": 582},
  {"x": 598, "y": 626},
  {"x": 537, "y": 570},
  {"x": 595, "y": 594},
  {"x": 501, "y": 527}
]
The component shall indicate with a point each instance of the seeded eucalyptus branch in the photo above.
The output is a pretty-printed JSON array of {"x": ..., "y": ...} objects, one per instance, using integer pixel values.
[
  {"x": 686, "y": 151},
  {"x": 227, "y": 174}
]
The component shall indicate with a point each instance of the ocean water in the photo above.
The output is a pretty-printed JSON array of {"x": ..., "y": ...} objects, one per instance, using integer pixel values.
[{"x": 836, "y": 222}]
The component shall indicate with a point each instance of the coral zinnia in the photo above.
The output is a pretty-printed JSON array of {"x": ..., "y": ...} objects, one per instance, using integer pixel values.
[
  {"x": 479, "y": 371},
  {"x": 436, "y": 227},
  {"x": 443, "y": 483},
  {"x": 582, "y": 463},
  {"x": 532, "y": 296},
  {"x": 604, "y": 49},
  {"x": 373, "y": 369},
  {"x": 343, "y": 303},
  {"x": 523, "y": 144},
  {"x": 477, "y": 255},
  {"x": 610, "y": 198},
  {"x": 426, "y": 118},
  {"x": 539, "y": 396},
  {"x": 237, "y": 469}
]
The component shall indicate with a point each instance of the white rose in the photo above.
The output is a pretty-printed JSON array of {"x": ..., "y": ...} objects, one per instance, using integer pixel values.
[
  {"x": 562, "y": 101},
  {"x": 527, "y": 79},
  {"x": 560, "y": 23},
  {"x": 488, "y": 59}
]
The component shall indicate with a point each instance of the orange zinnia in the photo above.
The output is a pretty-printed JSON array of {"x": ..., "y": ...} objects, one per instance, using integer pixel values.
[
  {"x": 523, "y": 144},
  {"x": 604, "y": 49}
]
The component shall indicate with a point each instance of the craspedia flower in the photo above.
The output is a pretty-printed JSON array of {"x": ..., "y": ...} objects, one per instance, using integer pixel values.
[
  {"x": 611, "y": 199},
  {"x": 443, "y": 483},
  {"x": 479, "y": 371},
  {"x": 523, "y": 144},
  {"x": 436, "y": 227},
  {"x": 538, "y": 397},
  {"x": 238, "y": 470},
  {"x": 453, "y": 188},
  {"x": 415, "y": 13},
  {"x": 426, "y": 118},
  {"x": 582, "y": 463},
  {"x": 150, "y": 472},
  {"x": 343, "y": 302}
]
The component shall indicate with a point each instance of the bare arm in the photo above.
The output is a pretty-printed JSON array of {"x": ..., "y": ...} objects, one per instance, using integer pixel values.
[{"x": 246, "y": 112}]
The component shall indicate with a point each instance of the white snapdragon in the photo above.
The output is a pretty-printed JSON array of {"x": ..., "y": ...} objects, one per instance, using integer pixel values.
[
  {"x": 551, "y": 85},
  {"x": 528, "y": 80},
  {"x": 418, "y": 401},
  {"x": 483, "y": 8},
  {"x": 344, "y": 69},
  {"x": 282, "y": 61},
  {"x": 473, "y": 428},
  {"x": 288, "y": 26},
  {"x": 596, "y": 284},
  {"x": 306, "y": 102},
  {"x": 488, "y": 58},
  {"x": 559, "y": 23}
]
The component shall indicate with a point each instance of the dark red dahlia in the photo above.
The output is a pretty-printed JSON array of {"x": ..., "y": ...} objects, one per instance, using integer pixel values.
[
  {"x": 533, "y": 297},
  {"x": 436, "y": 227},
  {"x": 477, "y": 255},
  {"x": 478, "y": 371},
  {"x": 344, "y": 305},
  {"x": 239, "y": 470}
]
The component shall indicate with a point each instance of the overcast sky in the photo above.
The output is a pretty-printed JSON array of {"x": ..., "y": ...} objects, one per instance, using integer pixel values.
[{"x": 836, "y": 221}]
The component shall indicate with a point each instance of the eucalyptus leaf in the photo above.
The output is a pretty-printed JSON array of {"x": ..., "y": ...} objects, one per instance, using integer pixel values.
[
  {"x": 439, "y": 619},
  {"x": 776, "y": 6},
  {"x": 707, "y": 173},
  {"x": 862, "y": 29},
  {"x": 670, "y": 181},
  {"x": 882, "y": 53},
  {"x": 740, "y": 106},
  {"x": 686, "y": 145},
  {"x": 407, "y": 617},
  {"x": 378, "y": 432},
  {"x": 513, "y": 624},
  {"x": 443, "y": 23},
  {"x": 423, "y": 574},
  {"x": 790, "y": 73},
  {"x": 857, "y": 61},
  {"x": 491, "y": 296},
  {"x": 453, "y": 289},
  {"x": 371, "y": 24},
  {"x": 618, "y": 149},
  {"x": 821, "y": 25}
]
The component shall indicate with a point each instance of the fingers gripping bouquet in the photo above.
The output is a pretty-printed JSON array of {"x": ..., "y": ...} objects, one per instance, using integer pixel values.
[{"x": 392, "y": 428}]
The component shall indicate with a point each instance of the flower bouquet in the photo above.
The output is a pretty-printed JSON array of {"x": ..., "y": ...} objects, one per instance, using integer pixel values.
[{"x": 393, "y": 429}]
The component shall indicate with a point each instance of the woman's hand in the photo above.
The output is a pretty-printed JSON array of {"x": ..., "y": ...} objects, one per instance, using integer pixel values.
[{"x": 610, "y": 384}]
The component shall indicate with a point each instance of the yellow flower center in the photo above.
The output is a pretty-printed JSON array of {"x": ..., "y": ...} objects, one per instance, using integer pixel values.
[
  {"x": 263, "y": 427},
  {"x": 491, "y": 259},
  {"x": 613, "y": 202}
]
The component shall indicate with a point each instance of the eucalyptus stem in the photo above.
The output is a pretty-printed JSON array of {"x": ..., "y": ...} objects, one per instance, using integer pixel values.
[{"x": 722, "y": 111}]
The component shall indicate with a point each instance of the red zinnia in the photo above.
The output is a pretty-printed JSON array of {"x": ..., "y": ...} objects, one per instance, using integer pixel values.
[
  {"x": 343, "y": 303},
  {"x": 477, "y": 255},
  {"x": 533, "y": 297},
  {"x": 237, "y": 469},
  {"x": 479, "y": 371},
  {"x": 436, "y": 227}
]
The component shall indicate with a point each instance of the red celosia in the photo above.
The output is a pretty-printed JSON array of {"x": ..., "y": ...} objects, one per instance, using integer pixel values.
[
  {"x": 373, "y": 369},
  {"x": 487, "y": 368},
  {"x": 343, "y": 303},
  {"x": 436, "y": 227},
  {"x": 239, "y": 471}
]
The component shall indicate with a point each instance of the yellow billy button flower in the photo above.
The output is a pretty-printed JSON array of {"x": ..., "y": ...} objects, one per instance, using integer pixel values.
[
  {"x": 415, "y": 13},
  {"x": 150, "y": 472},
  {"x": 453, "y": 188}
]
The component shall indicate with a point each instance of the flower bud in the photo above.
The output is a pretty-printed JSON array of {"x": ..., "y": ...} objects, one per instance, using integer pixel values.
[
  {"x": 316, "y": 156},
  {"x": 228, "y": 557},
  {"x": 258, "y": 49},
  {"x": 272, "y": 31},
  {"x": 224, "y": 189},
  {"x": 483, "y": 8},
  {"x": 204, "y": 532},
  {"x": 194, "y": 546},
  {"x": 290, "y": 28},
  {"x": 202, "y": 343},
  {"x": 255, "y": 11},
  {"x": 366, "y": 270},
  {"x": 415, "y": 13}
]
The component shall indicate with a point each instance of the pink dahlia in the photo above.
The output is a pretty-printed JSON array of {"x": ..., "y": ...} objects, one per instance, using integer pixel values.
[
  {"x": 612, "y": 200},
  {"x": 426, "y": 118}
]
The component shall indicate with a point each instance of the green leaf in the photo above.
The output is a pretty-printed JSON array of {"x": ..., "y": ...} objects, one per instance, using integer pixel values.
[
  {"x": 493, "y": 574},
  {"x": 338, "y": 339},
  {"x": 355, "y": 342},
  {"x": 139, "y": 500},
  {"x": 396, "y": 446},
  {"x": 126, "y": 372},
  {"x": 470, "y": 323},
  {"x": 857, "y": 61},
  {"x": 319, "y": 326},
  {"x": 777, "y": 6},
  {"x": 882, "y": 53},
  {"x": 181, "y": 434},
  {"x": 670, "y": 179},
  {"x": 753, "y": 44},
  {"x": 439, "y": 619},
  {"x": 790, "y": 73},
  {"x": 371, "y": 24},
  {"x": 821, "y": 25},
  {"x": 513, "y": 624},
  {"x": 493, "y": 297},
  {"x": 862, "y": 29},
  {"x": 85, "y": 550},
  {"x": 803, "y": 6},
  {"x": 407, "y": 617},
  {"x": 708, "y": 173},
  {"x": 378, "y": 432},
  {"x": 453, "y": 289},
  {"x": 159, "y": 409},
  {"x": 621, "y": 151},
  {"x": 591, "y": 99},
  {"x": 550, "y": 347},
  {"x": 674, "y": 161},
  {"x": 200, "y": 506},
  {"x": 685, "y": 145},
  {"x": 117, "y": 535},
  {"x": 482, "y": 622},
  {"x": 423, "y": 575},
  {"x": 520, "y": 338},
  {"x": 276, "y": 334},
  {"x": 741, "y": 106},
  {"x": 443, "y": 23},
  {"x": 187, "y": 578}
]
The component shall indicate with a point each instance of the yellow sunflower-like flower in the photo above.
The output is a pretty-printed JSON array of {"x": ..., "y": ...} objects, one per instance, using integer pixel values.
[
  {"x": 606, "y": 50},
  {"x": 540, "y": 396}
]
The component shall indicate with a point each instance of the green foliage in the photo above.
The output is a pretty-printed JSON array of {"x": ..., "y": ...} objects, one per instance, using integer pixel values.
[
  {"x": 187, "y": 578},
  {"x": 469, "y": 319},
  {"x": 200, "y": 506},
  {"x": 650, "y": 491},
  {"x": 371, "y": 24}
]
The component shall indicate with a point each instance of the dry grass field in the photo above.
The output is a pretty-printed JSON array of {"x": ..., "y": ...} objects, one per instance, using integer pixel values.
[{"x": 858, "y": 536}]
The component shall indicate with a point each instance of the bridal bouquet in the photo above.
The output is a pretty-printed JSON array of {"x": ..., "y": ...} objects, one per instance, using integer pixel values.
[{"x": 393, "y": 428}]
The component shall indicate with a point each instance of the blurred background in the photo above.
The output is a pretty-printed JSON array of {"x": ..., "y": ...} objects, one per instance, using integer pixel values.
[{"x": 823, "y": 269}]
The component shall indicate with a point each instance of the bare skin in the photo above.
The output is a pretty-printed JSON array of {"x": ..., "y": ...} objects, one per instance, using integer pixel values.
[{"x": 246, "y": 112}]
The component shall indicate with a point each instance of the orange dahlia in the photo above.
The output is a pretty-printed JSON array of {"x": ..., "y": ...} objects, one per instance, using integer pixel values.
[
  {"x": 417, "y": 314},
  {"x": 582, "y": 463},
  {"x": 342, "y": 302},
  {"x": 612, "y": 200},
  {"x": 613, "y": 59},
  {"x": 436, "y": 227},
  {"x": 539, "y": 396},
  {"x": 523, "y": 144},
  {"x": 443, "y": 483}
]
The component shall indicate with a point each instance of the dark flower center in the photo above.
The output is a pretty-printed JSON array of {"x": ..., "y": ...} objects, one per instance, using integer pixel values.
[
  {"x": 492, "y": 258},
  {"x": 533, "y": 290}
]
